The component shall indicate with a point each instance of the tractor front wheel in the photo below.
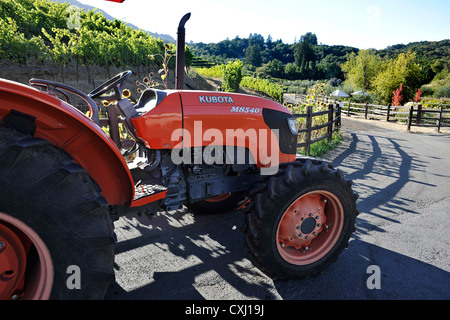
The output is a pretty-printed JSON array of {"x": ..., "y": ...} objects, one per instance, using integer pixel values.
[{"x": 301, "y": 220}]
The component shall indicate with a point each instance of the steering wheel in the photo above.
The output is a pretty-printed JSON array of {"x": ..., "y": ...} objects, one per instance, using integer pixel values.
[{"x": 115, "y": 83}]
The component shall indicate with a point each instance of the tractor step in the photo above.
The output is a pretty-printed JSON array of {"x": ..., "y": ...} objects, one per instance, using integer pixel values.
[{"x": 148, "y": 188}]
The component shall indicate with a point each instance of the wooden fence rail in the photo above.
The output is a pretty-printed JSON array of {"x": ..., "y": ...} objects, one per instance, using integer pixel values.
[
  {"x": 410, "y": 115},
  {"x": 333, "y": 124},
  {"x": 416, "y": 115}
]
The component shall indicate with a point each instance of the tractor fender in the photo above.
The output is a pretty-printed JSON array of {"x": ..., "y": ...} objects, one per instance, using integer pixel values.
[{"x": 69, "y": 129}]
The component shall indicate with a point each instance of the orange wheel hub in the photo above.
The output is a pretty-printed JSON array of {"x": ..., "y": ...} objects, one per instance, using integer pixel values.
[
  {"x": 17, "y": 243},
  {"x": 13, "y": 260},
  {"x": 310, "y": 227}
]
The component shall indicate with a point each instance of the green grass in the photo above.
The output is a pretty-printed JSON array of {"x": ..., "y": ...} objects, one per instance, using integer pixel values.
[{"x": 318, "y": 149}]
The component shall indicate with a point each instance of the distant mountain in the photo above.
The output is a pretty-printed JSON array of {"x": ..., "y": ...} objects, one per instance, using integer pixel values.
[{"x": 164, "y": 37}]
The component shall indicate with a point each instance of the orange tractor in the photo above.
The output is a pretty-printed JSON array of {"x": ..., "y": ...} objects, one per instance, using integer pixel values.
[{"x": 63, "y": 181}]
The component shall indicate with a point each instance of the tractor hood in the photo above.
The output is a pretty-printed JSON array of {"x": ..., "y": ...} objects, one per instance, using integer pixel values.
[{"x": 198, "y": 118}]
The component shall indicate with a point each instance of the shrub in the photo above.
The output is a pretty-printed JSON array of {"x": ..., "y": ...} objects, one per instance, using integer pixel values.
[
  {"x": 442, "y": 92},
  {"x": 232, "y": 76}
]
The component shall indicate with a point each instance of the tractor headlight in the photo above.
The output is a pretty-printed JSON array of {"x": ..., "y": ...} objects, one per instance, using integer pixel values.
[{"x": 293, "y": 125}]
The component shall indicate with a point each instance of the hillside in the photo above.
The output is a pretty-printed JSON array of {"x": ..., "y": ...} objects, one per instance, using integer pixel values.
[
  {"x": 308, "y": 59},
  {"x": 163, "y": 37}
]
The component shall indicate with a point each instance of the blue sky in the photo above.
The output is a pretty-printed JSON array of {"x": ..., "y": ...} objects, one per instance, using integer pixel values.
[{"x": 358, "y": 23}]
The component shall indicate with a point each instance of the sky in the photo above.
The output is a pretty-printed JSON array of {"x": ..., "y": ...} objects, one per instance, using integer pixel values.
[{"x": 358, "y": 23}]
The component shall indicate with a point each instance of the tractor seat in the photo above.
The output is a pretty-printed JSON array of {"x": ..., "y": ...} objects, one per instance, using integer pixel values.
[{"x": 149, "y": 99}]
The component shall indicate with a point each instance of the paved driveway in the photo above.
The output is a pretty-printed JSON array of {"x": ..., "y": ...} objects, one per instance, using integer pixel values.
[{"x": 399, "y": 251}]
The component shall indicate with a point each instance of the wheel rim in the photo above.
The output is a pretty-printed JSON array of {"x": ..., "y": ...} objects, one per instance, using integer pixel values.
[
  {"x": 18, "y": 242},
  {"x": 310, "y": 227}
]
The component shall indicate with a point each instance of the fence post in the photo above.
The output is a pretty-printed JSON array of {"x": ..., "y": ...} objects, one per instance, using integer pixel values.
[
  {"x": 338, "y": 114},
  {"x": 308, "y": 126},
  {"x": 410, "y": 116},
  {"x": 388, "y": 112},
  {"x": 366, "y": 109},
  {"x": 419, "y": 114},
  {"x": 348, "y": 111},
  {"x": 439, "y": 120},
  {"x": 330, "y": 122}
]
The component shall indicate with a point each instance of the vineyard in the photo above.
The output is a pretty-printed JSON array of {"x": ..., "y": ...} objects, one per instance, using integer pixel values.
[
  {"x": 41, "y": 30},
  {"x": 262, "y": 86}
]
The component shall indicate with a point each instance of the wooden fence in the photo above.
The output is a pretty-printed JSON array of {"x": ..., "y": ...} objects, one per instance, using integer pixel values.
[
  {"x": 334, "y": 123},
  {"x": 414, "y": 115},
  {"x": 437, "y": 116}
]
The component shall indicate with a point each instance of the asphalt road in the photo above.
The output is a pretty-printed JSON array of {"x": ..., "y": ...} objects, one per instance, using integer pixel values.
[{"x": 400, "y": 249}]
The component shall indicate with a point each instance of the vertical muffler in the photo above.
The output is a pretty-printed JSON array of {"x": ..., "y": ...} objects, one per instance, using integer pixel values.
[{"x": 179, "y": 77}]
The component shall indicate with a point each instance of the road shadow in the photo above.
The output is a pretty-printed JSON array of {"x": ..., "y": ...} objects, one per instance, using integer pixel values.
[
  {"x": 350, "y": 278},
  {"x": 228, "y": 275},
  {"x": 207, "y": 251},
  {"x": 380, "y": 168}
]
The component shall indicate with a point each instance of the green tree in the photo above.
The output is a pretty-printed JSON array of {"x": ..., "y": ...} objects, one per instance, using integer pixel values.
[
  {"x": 291, "y": 71},
  {"x": 253, "y": 55},
  {"x": 402, "y": 70},
  {"x": 304, "y": 55},
  {"x": 361, "y": 69},
  {"x": 275, "y": 68}
]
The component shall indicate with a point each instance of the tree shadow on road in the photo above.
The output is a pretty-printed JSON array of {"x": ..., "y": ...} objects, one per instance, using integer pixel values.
[
  {"x": 400, "y": 277},
  {"x": 205, "y": 259},
  {"x": 380, "y": 168}
]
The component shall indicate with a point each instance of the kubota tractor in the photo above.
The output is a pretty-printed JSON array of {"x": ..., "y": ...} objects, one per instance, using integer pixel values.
[{"x": 63, "y": 181}]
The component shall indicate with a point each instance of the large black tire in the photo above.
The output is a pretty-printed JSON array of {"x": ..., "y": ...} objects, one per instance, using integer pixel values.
[
  {"x": 301, "y": 220},
  {"x": 46, "y": 190}
]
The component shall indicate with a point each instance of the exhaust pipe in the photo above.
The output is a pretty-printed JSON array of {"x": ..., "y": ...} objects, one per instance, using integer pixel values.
[{"x": 179, "y": 77}]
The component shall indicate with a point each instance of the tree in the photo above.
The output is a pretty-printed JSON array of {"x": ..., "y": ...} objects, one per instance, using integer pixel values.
[
  {"x": 402, "y": 70},
  {"x": 253, "y": 55},
  {"x": 304, "y": 55},
  {"x": 361, "y": 69},
  {"x": 310, "y": 38},
  {"x": 275, "y": 68},
  {"x": 291, "y": 71}
]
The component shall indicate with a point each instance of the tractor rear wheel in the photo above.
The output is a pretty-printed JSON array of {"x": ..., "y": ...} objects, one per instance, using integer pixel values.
[
  {"x": 301, "y": 220},
  {"x": 56, "y": 234}
]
